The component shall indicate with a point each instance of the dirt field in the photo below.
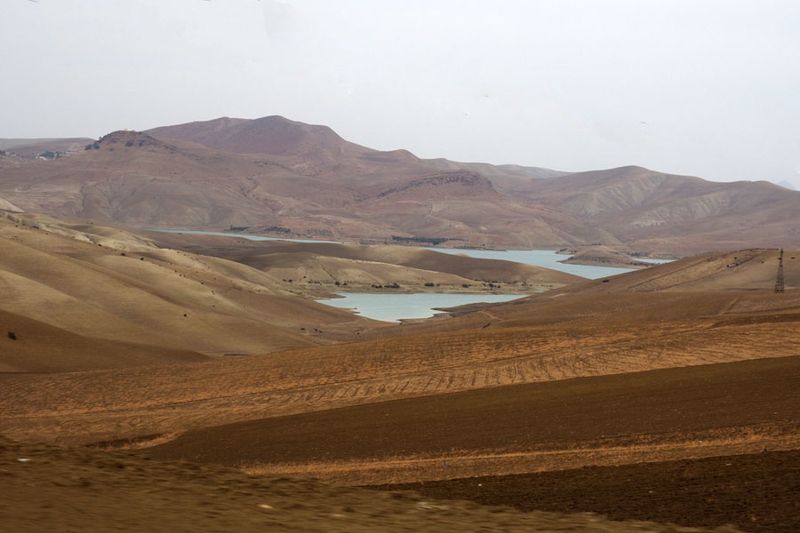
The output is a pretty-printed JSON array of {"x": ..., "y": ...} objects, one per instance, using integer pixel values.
[
  {"x": 691, "y": 360},
  {"x": 44, "y": 488},
  {"x": 649, "y": 416},
  {"x": 756, "y": 492},
  {"x": 90, "y": 406}
]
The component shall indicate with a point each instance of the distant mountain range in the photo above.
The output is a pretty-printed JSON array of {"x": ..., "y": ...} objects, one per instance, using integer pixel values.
[{"x": 276, "y": 175}]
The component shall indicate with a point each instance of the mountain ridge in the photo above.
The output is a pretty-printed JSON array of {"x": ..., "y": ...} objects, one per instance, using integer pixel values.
[{"x": 306, "y": 179}]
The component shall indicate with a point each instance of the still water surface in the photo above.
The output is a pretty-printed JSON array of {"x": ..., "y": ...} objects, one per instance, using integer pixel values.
[
  {"x": 542, "y": 258},
  {"x": 393, "y": 307}
]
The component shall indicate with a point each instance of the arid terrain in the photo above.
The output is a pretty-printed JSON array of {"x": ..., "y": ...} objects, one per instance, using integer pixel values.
[
  {"x": 281, "y": 176},
  {"x": 126, "y": 341},
  {"x": 198, "y": 376},
  {"x": 603, "y": 256},
  {"x": 349, "y": 266},
  {"x": 317, "y": 267},
  {"x": 47, "y": 488}
]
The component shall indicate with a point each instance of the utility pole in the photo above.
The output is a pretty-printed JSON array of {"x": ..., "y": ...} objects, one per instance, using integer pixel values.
[{"x": 779, "y": 277}]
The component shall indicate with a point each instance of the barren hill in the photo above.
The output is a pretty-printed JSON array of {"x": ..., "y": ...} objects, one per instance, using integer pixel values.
[
  {"x": 557, "y": 335},
  {"x": 134, "y": 178},
  {"x": 741, "y": 270},
  {"x": 544, "y": 383},
  {"x": 603, "y": 256},
  {"x": 82, "y": 297},
  {"x": 305, "y": 179},
  {"x": 274, "y": 135},
  {"x": 651, "y": 210},
  {"x": 331, "y": 265}
]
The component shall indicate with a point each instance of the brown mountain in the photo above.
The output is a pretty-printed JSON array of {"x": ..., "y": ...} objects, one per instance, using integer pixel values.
[
  {"x": 273, "y": 173},
  {"x": 137, "y": 179},
  {"x": 272, "y": 135},
  {"x": 653, "y": 210}
]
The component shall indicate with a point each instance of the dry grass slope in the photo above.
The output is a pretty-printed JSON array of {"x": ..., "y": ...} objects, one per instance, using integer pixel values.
[
  {"x": 119, "y": 289},
  {"x": 361, "y": 267}
]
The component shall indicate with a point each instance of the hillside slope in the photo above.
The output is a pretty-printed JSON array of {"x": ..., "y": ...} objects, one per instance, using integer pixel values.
[
  {"x": 334, "y": 265},
  {"x": 558, "y": 335},
  {"x": 86, "y": 284},
  {"x": 651, "y": 210},
  {"x": 273, "y": 174},
  {"x": 136, "y": 179}
]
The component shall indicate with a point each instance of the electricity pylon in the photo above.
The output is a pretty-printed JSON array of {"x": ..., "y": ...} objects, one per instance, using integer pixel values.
[{"x": 779, "y": 277}]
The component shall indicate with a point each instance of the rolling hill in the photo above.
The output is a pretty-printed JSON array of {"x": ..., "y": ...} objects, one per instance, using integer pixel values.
[
  {"x": 331, "y": 266},
  {"x": 80, "y": 297},
  {"x": 117, "y": 338},
  {"x": 561, "y": 334}
]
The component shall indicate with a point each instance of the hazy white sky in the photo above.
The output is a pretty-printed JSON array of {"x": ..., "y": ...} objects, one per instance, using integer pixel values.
[{"x": 703, "y": 87}]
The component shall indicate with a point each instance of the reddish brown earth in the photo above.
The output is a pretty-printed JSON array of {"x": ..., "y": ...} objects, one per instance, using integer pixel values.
[
  {"x": 755, "y": 492},
  {"x": 691, "y": 360},
  {"x": 644, "y": 416},
  {"x": 55, "y": 489}
]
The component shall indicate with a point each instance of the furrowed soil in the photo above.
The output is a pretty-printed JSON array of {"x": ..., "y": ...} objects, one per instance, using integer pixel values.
[
  {"x": 756, "y": 492},
  {"x": 620, "y": 334},
  {"x": 649, "y": 416},
  {"x": 44, "y": 488}
]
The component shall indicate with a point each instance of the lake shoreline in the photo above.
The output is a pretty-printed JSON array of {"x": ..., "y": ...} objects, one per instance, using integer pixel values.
[{"x": 398, "y": 308}]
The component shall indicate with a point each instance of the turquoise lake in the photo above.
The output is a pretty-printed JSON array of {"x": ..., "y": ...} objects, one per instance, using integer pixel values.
[{"x": 393, "y": 307}]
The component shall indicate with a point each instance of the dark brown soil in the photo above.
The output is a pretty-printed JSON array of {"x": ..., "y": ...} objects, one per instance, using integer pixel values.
[
  {"x": 47, "y": 489},
  {"x": 759, "y": 492},
  {"x": 617, "y": 409}
]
